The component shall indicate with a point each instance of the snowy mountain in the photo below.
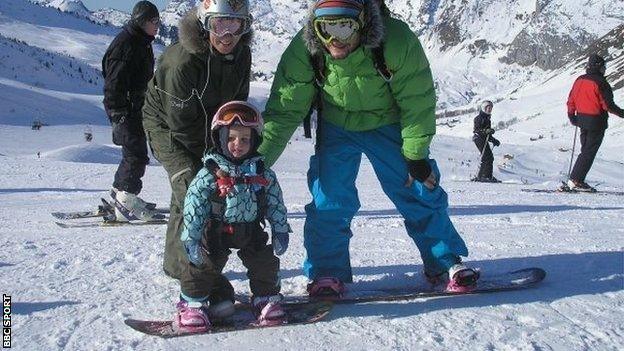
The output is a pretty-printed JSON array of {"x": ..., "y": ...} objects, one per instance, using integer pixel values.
[
  {"x": 477, "y": 48},
  {"x": 75, "y": 7},
  {"x": 105, "y": 16},
  {"x": 110, "y": 16}
]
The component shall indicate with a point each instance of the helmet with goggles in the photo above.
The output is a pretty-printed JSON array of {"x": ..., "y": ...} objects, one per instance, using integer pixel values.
[
  {"x": 221, "y": 17},
  {"x": 238, "y": 113},
  {"x": 235, "y": 113},
  {"x": 338, "y": 20}
]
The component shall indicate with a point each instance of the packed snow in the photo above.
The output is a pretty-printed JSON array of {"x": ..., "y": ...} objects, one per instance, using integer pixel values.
[{"x": 72, "y": 288}]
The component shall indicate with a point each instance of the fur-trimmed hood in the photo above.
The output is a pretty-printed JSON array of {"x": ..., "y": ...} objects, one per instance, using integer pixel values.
[
  {"x": 372, "y": 36},
  {"x": 194, "y": 38}
]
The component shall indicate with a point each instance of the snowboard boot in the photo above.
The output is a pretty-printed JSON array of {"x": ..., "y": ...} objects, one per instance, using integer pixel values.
[
  {"x": 326, "y": 288},
  {"x": 436, "y": 279},
  {"x": 221, "y": 310},
  {"x": 191, "y": 317},
  {"x": 268, "y": 310},
  {"x": 575, "y": 185},
  {"x": 129, "y": 205},
  {"x": 462, "y": 278}
]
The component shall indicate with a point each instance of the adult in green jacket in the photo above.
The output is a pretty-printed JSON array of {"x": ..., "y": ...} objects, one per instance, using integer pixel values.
[
  {"x": 386, "y": 113},
  {"x": 209, "y": 66}
]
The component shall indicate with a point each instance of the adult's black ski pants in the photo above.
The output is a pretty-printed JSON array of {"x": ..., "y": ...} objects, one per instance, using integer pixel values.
[
  {"x": 590, "y": 143},
  {"x": 129, "y": 134}
]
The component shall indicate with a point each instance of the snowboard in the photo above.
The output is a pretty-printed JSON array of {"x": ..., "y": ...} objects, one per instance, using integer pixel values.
[
  {"x": 102, "y": 210},
  {"x": 243, "y": 319},
  {"x": 515, "y": 280}
]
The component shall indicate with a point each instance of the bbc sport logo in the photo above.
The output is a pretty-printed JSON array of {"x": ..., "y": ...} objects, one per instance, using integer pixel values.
[{"x": 6, "y": 321}]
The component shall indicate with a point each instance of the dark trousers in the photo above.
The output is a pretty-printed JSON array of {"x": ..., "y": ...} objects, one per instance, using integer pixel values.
[
  {"x": 262, "y": 265},
  {"x": 590, "y": 143},
  {"x": 131, "y": 137},
  {"x": 487, "y": 160}
]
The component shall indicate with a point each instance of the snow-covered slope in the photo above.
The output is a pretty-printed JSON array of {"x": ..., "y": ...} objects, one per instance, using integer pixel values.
[
  {"x": 40, "y": 85},
  {"x": 72, "y": 289}
]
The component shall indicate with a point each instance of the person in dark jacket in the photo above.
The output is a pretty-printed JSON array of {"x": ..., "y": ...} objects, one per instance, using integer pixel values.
[
  {"x": 589, "y": 104},
  {"x": 483, "y": 135},
  {"x": 209, "y": 66},
  {"x": 127, "y": 66}
]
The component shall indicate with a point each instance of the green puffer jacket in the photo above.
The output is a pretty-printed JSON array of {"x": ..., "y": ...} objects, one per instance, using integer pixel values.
[
  {"x": 184, "y": 94},
  {"x": 355, "y": 96}
]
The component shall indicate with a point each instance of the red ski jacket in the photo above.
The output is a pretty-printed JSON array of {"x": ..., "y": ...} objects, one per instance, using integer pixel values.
[{"x": 590, "y": 100}]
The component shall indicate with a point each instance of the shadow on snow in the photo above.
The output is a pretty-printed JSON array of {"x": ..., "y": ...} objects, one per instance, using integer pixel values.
[
  {"x": 42, "y": 190},
  {"x": 593, "y": 273},
  {"x": 26, "y": 308}
]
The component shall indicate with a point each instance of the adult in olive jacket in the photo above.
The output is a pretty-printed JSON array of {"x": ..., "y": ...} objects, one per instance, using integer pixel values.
[
  {"x": 391, "y": 122},
  {"x": 208, "y": 67}
]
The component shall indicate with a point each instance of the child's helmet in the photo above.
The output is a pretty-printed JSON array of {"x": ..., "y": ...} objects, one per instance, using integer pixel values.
[
  {"x": 236, "y": 113},
  {"x": 485, "y": 104}
]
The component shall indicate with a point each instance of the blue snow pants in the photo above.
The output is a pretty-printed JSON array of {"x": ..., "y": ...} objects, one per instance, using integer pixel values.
[{"x": 331, "y": 180}]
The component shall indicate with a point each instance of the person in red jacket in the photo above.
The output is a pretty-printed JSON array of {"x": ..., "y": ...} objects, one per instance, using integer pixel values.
[{"x": 589, "y": 104}]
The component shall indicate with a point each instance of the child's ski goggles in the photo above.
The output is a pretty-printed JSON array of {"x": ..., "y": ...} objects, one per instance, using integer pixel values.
[
  {"x": 341, "y": 29},
  {"x": 238, "y": 111},
  {"x": 221, "y": 26}
]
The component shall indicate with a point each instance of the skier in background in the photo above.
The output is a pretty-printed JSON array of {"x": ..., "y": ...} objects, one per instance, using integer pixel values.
[
  {"x": 483, "y": 135},
  {"x": 386, "y": 113},
  {"x": 127, "y": 66},
  {"x": 209, "y": 66},
  {"x": 225, "y": 208},
  {"x": 589, "y": 104}
]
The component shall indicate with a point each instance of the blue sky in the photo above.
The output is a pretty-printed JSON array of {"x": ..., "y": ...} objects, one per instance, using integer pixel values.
[{"x": 123, "y": 5}]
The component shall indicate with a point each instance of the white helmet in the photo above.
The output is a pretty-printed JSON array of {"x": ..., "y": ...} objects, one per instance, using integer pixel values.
[
  {"x": 485, "y": 104},
  {"x": 208, "y": 9}
]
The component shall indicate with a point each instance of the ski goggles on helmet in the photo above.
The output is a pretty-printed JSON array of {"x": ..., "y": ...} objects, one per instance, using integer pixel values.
[
  {"x": 342, "y": 29},
  {"x": 223, "y": 25},
  {"x": 238, "y": 112}
]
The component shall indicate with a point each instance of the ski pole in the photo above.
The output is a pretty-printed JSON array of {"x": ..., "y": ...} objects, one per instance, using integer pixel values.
[
  {"x": 572, "y": 156},
  {"x": 487, "y": 139}
]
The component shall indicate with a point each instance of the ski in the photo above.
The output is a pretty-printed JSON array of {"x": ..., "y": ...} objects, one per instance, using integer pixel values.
[
  {"x": 108, "y": 223},
  {"x": 515, "y": 280},
  {"x": 243, "y": 319},
  {"x": 551, "y": 191},
  {"x": 102, "y": 210}
]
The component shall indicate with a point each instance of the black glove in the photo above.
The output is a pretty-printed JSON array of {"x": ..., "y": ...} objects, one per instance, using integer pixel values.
[
  {"x": 119, "y": 133},
  {"x": 495, "y": 142},
  {"x": 572, "y": 119},
  {"x": 118, "y": 116},
  {"x": 489, "y": 131},
  {"x": 419, "y": 169}
]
